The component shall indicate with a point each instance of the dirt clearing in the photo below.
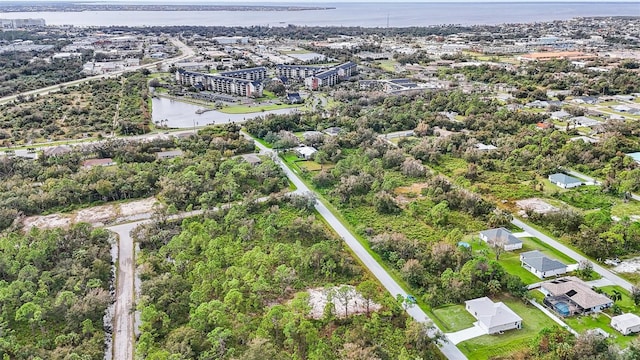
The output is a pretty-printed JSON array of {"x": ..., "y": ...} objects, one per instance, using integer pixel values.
[{"x": 355, "y": 303}]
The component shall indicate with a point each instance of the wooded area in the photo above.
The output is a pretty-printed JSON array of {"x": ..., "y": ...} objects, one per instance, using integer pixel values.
[
  {"x": 55, "y": 286},
  {"x": 233, "y": 286}
]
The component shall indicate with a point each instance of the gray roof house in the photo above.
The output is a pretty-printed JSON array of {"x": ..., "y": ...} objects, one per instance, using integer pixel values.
[
  {"x": 540, "y": 265},
  {"x": 252, "y": 159},
  {"x": 493, "y": 317},
  {"x": 501, "y": 235},
  {"x": 564, "y": 181},
  {"x": 560, "y": 115},
  {"x": 168, "y": 154}
]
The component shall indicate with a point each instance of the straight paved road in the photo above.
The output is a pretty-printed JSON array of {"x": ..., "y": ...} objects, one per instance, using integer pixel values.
[
  {"x": 615, "y": 279},
  {"x": 447, "y": 348}
]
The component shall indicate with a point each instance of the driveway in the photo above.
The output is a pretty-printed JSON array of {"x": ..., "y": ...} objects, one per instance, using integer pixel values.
[{"x": 466, "y": 334}]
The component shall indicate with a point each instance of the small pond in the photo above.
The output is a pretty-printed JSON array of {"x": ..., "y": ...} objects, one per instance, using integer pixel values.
[{"x": 183, "y": 115}]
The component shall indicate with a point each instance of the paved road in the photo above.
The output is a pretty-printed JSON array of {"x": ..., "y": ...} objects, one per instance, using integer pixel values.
[
  {"x": 186, "y": 53},
  {"x": 447, "y": 348},
  {"x": 615, "y": 279}
]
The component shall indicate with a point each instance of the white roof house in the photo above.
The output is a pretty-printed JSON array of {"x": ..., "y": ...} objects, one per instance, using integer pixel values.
[
  {"x": 305, "y": 152},
  {"x": 501, "y": 236},
  {"x": 493, "y": 317},
  {"x": 626, "y": 323}
]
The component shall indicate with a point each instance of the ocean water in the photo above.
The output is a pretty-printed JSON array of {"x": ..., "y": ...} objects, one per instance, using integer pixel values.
[{"x": 349, "y": 14}]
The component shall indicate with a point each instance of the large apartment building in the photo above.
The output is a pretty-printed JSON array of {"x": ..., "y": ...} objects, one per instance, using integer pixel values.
[
  {"x": 245, "y": 82},
  {"x": 330, "y": 77},
  {"x": 298, "y": 72}
]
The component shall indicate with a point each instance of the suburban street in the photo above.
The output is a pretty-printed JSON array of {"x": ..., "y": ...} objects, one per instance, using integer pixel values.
[
  {"x": 615, "y": 279},
  {"x": 187, "y": 52},
  {"x": 447, "y": 348}
]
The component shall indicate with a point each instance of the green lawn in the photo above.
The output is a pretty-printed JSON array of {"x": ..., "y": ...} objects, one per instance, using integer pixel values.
[
  {"x": 387, "y": 65},
  {"x": 602, "y": 321},
  {"x": 309, "y": 165},
  {"x": 246, "y": 109},
  {"x": 487, "y": 346},
  {"x": 453, "y": 317},
  {"x": 626, "y": 303}
]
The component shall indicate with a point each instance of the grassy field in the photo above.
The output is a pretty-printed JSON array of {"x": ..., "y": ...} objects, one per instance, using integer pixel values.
[
  {"x": 454, "y": 317},
  {"x": 387, "y": 65},
  {"x": 248, "y": 109},
  {"x": 309, "y": 165},
  {"x": 487, "y": 346},
  {"x": 599, "y": 321}
]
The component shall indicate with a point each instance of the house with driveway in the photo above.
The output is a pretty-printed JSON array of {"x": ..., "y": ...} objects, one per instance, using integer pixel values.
[
  {"x": 540, "y": 265},
  {"x": 564, "y": 181},
  {"x": 493, "y": 317},
  {"x": 571, "y": 296},
  {"x": 501, "y": 236}
]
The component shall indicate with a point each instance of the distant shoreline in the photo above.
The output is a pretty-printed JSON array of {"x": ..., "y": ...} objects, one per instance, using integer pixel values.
[{"x": 74, "y": 7}]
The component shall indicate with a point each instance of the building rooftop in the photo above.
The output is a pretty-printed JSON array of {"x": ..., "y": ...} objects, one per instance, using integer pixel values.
[
  {"x": 501, "y": 234},
  {"x": 564, "y": 179},
  {"x": 492, "y": 314},
  {"x": 540, "y": 261},
  {"x": 577, "y": 290}
]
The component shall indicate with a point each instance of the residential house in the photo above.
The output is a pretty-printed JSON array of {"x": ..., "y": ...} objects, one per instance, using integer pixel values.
[
  {"x": 168, "y": 154},
  {"x": 311, "y": 134},
  {"x": 87, "y": 164},
  {"x": 559, "y": 115},
  {"x": 620, "y": 108},
  {"x": 564, "y": 181},
  {"x": 305, "y": 152},
  {"x": 252, "y": 159},
  {"x": 538, "y": 104},
  {"x": 570, "y": 296},
  {"x": 501, "y": 236},
  {"x": 626, "y": 323},
  {"x": 591, "y": 100},
  {"x": 294, "y": 98},
  {"x": 484, "y": 147},
  {"x": 540, "y": 265},
  {"x": 57, "y": 150},
  {"x": 332, "y": 131},
  {"x": 583, "y": 121},
  {"x": 493, "y": 317}
]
